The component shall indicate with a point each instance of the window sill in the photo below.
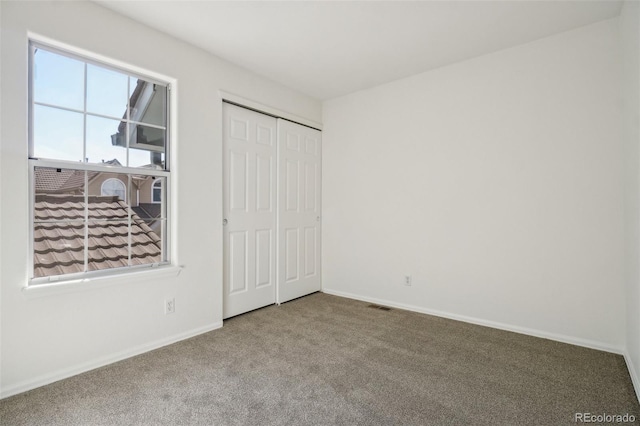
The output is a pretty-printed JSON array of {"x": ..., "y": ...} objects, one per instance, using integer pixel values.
[{"x": 81, "y": 284}]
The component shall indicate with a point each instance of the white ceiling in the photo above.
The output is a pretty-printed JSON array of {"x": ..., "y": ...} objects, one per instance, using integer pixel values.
[{"x": 327, "y": 49}]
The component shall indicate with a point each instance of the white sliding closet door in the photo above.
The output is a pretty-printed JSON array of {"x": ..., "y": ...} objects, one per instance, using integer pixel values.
[
  {"x": 249, "y": 210},
  {"x": 299, "y": 150}
]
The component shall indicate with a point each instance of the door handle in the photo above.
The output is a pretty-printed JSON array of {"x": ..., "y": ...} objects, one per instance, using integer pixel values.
[{"x": 224, "y": 222}]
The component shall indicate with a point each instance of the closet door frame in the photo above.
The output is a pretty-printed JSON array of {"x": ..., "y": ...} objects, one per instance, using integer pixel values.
[{"x": 239, "y": 101}]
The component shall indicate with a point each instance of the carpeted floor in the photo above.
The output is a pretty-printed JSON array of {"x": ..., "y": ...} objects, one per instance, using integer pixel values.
[{"x": 324, "y": 360}]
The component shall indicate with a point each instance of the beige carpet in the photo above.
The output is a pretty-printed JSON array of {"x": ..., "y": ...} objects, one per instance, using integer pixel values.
[{"x": 324, "y": 360}]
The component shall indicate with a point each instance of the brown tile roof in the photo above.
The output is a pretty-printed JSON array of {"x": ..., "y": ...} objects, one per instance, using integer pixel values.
[
  {"x": 59, "y": 246},
  {"x": 65, "y": 180}
]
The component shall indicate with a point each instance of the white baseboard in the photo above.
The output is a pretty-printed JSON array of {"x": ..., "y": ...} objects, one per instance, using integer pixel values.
[
  {"x": 102, "y": 361},
  {"x": 635, "y": 379},
  {"x": 493, "y": 324}
]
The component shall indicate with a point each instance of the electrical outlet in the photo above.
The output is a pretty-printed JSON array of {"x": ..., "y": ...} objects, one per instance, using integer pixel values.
[
  {"x": 170, "y": 306},
  {"x": 407, "y": 280}
]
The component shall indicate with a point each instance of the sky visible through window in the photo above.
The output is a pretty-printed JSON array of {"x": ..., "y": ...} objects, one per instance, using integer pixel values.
[{"x": 58, "y": 133}]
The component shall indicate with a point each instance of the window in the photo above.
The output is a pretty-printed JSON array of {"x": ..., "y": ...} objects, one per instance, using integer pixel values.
[
  {"x": 97, "y": 135},
  {"x": 156, "y": 192},
  {"x": 113, "y": 187}
]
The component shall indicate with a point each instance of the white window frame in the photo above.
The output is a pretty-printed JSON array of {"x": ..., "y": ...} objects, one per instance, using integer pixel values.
[{"x": 167, "y": 246}]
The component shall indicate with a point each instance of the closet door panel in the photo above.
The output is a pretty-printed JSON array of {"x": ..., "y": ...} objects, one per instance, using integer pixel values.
[
  {"x": 299, "y": 225},
  {"x": 249, "y": 192}
]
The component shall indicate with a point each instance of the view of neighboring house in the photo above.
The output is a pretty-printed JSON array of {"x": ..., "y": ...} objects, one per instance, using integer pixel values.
[
  {"x": 59, "y": 221},
  {"x": 148, "y": 108}
]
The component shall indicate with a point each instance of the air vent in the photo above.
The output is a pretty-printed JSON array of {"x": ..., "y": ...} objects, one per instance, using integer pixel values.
[{"x": 382, "y": 308}]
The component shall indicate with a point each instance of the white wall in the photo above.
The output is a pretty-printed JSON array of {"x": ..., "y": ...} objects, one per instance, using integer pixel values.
[
  {"x": 630, "y": 37},
  {"x": 48, "y": 336},
  {"x": 497, "y": 183}
]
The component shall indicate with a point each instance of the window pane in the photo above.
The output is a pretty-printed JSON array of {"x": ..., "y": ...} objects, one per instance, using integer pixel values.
[
  {"x": 58, "y": 80},
  {"x": 106, "y": 92},
  {"x": 147, "y": 209},
  {"x": 58, "y": 213},
  {"x": 114, "y": 188},
  {"x": 107, "y": 197},
  {"x": 108, "y": 244},
  {"x": 147, "y": 159},
  {"x": 143, "y": 186},
  {"x": 147, "y": 222},
  {"x": 147, "y": 138},
  {"x": 58, "y": 248},
  {"x": 61, "y": 186},
  {"x": 148, "y": 102},
  {"x": 106, "y": 141},
  {"x": 58, "y": 134},
  {"x": 146, "y": 241},
  {"x": 147, "y": 146},
  {"x": 156, "y": 191}
]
